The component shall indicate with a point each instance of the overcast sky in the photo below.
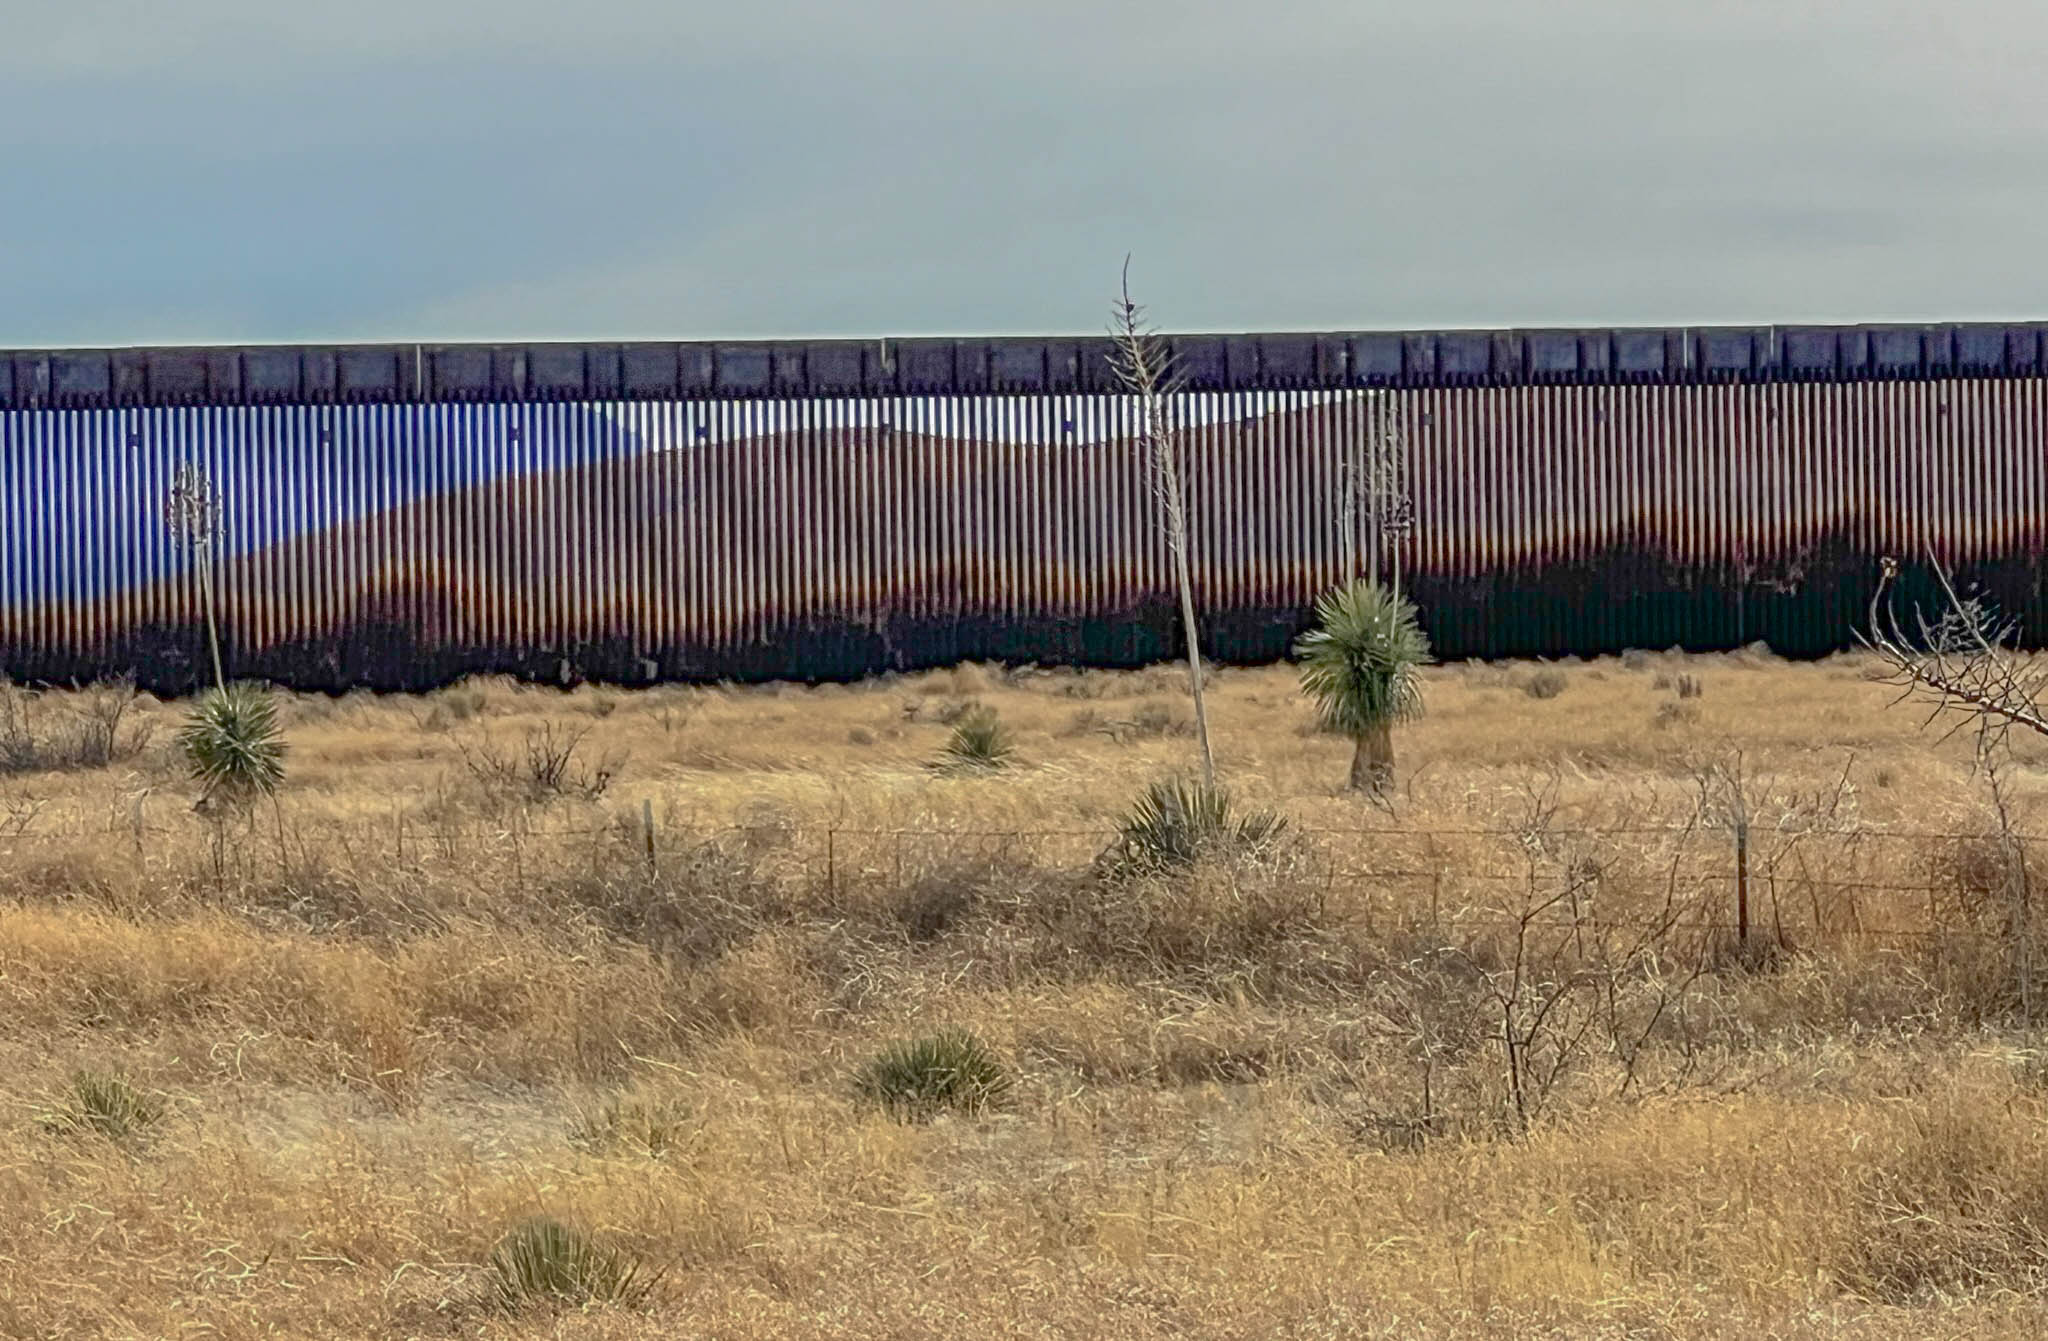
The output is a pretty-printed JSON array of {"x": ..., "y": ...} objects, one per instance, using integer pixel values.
[{"x": 215, "y": 170}]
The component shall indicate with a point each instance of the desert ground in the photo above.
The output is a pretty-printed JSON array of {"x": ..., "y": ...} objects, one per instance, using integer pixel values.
[{"x": 1490, "y": 1058}]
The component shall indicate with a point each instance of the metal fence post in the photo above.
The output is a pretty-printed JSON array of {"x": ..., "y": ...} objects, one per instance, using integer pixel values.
[{"x": 1742, "y": 880}]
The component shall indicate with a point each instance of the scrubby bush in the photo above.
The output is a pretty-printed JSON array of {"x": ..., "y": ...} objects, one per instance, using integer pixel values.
[
  {"x": 92, "y": 731},
  {"x": 549, "y": 765}
]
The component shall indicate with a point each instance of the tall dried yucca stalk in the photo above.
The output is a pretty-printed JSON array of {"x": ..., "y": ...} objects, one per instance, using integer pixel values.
[
  {"x": 193, "y": 513},
  {"x": 1144, "y": 364}
]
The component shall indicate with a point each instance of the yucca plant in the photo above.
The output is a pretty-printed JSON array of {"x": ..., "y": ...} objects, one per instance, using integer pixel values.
[
  {"x": 979, "y": 742},
  {"x": 544, "y": 1262},
  {"x": 1179, "y": 821},
  {"x": 1360, "y": 665},
  {"x": 920, "y": 1078},
  {"x": 103, "y": 1102},
  {"x": 233, "y": 744}
]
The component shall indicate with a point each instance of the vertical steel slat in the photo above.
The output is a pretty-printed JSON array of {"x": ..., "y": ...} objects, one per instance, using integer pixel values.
[
  {"x": 511, "y": 520},
  {"x": 665, "y": 631},
  {"x": 724, "y": 539},
  {"x": 738, "y": 428},
  {"x": 873, "y": 518},
  {"x": 564, "y": 437},
  {"x": 584, "y": 554}
]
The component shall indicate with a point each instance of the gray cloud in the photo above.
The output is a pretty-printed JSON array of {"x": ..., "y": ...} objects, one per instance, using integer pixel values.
[{"x": 235, "y": 171}]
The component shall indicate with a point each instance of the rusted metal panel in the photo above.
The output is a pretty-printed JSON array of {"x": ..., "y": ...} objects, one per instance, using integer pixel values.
[{"x": 395, "y": 543}]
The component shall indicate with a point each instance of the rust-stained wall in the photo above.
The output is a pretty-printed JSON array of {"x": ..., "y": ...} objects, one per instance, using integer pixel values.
[{"x": 401, "y": 544}]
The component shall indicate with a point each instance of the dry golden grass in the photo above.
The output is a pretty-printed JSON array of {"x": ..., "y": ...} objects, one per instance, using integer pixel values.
[{"x": 385, "y": 1019}]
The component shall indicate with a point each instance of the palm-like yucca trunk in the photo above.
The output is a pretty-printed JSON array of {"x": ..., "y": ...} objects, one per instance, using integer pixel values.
[{"x": 1372, "y": 761}]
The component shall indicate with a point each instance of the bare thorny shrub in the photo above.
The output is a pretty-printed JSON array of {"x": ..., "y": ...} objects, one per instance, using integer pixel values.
[
  {"x": 1770, "y": 822},
  {"x": 1578, "y": 969},
  {"x": 1566, "y": 967},
  {"x": 92, "y": 729},
  {"x": 1965, "y": 665},
  {"x": 546, "y": 765}
]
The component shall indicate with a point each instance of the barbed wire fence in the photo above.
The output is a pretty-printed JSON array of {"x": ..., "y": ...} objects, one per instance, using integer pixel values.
[{"x": 1788, "y": 887}]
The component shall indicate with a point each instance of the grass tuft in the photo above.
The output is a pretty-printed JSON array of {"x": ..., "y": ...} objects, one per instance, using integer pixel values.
[
  {"x": 544, "y": 1263},
  {"x": 651, "y": 1127},
  {"x": 918, "y": 1079},
  {"x": 104, "y": 1103}
]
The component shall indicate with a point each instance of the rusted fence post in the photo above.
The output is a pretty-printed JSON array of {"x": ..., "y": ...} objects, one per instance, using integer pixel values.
[{"x": 1742, "y": 880}]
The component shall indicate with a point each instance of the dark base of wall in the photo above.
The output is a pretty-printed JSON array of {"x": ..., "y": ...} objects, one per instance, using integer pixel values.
[{"x": 1603, "y": 607}]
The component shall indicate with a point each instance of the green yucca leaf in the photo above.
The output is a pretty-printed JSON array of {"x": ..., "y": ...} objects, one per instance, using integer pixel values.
[
  {"x": 916, "y": 1079},
  {"x": 545, "y": 1262},
  {"x": 1178, "y": 821},
  {"x": 1359, "y": 663},
  {"x": 233, "y": 744},
  {"x": 979, "y": 740}
]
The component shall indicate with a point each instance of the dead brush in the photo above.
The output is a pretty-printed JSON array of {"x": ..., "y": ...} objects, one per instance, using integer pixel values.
[
  {"x": 452, "y": 706},
  {"x": 1674, "y": 714},
  {"x": 1265, "y": 927},
  {"x": 934, "y": 905},
  {"x": 1946, "y": 1202},
  {"x": 1154, "y": 721},
  {"x": 697, "y": 900},
  {"x": 91, "y": 730},
  {"x": 547, "y": 766},
  {"x": 650, "y": 1127},
  {"x": 943, "y": 711}
]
